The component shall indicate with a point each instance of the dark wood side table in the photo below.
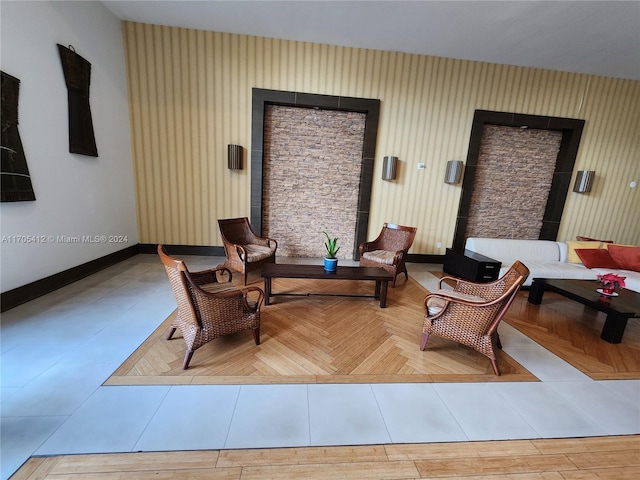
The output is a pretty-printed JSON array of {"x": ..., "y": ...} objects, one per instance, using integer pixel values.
[{"x": 471, "y": 266}]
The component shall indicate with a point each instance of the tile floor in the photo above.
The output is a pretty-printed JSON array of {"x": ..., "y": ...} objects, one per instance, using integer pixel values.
[{"x": 58, "y": 350}]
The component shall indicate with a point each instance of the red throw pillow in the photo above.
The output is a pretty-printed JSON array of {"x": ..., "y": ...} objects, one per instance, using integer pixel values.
[
  {"x": 596, "y": 258},
  {"x": 627, "y": 257}
]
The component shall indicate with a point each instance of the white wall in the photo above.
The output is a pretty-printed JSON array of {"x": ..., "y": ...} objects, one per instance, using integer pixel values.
[{"x": 76, "y": 195}]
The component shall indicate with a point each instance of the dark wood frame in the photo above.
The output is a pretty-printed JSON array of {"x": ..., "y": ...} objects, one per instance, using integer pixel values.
[
  {"x": 571, "y": 129},
  {"x": 370, "y": 107}
]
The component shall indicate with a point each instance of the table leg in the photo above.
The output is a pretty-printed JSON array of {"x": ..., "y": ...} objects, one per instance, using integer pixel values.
[
  {"x": 613, "y": 328},
  {"x": 535, "y": 292},
  {"x": 267, "y": 290},
  {"x": 376, "y": 293},
  {"x": 383, "y": 293}
]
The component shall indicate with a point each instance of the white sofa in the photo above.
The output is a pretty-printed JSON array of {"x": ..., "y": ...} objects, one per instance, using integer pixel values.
[{"x": 544, "y": 259}]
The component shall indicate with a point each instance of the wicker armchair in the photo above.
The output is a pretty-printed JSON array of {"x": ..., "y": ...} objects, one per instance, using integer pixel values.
[
  {"x": 209, "y": 308},
  {"x": 243, "y": 249},
  {"x": 389, "y": 250},
  {"x": 470, "y": 313}
]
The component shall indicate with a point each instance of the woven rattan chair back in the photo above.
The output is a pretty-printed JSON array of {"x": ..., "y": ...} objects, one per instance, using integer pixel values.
[
  {"x": 244, "y": 250},
  {"x": 176, "y": 269},
  {"x": 207, "y": 307},
  {"x": 237, "y": 230},
  {"x": 471, "y": 314},
  {"x": 391, "y": 248}
]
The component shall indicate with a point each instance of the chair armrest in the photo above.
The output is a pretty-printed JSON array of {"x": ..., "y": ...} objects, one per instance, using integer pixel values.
[
  {"x": 263, "y": 241},
  {"x": 258, "y": 302},
  {"x": 210, "y": 276},
  {"x": 369, "y": 246},
  {"x": 271, "y": 243},
  {"x": 442, "y": 280},
  {"x": 238, "y": 252},
  {"x": 398, "y": 256},
  {"x": 459, "y": 297},
  {"x": 464, "y": 286},
  {"x": 232, "y": 292},
  {"x": 441, "y": 299}
]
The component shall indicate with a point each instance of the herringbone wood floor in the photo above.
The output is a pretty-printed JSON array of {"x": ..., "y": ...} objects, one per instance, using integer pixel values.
[
  {"x": 572, "y": 332},
  {"x": 320, "y": 339},
  {"x": 614, "y": 458}
]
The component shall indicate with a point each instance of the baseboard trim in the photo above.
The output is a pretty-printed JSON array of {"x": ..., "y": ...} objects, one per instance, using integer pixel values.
[
  {"x": 183, "y": 249},
  {"x": 12, "y": 298},
  {"x": 420, "y": 258}
]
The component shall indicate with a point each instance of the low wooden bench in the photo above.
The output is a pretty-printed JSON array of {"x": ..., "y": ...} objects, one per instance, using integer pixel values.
[{"x": 317, "y": 272}]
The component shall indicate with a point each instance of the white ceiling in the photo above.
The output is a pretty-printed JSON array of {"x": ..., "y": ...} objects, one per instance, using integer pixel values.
[{"x": 592, "y": 37}]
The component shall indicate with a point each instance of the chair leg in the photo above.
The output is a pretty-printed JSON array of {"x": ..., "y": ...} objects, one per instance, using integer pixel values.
[
  {"x": 187, "y": 359},
  {"x": 494, "y": 364},
  {"x": 170, "y": 333},
  {"x": 244, "y": 278},
  {"x": 256, "y": 335},
  {"x": 423, "y": 343},
  {"x": 498, "y": 342}
]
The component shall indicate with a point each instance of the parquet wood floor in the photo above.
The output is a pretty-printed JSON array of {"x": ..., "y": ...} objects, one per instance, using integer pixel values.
[
  {"x": 615, "y": 458},
  {"x": 321, "y": 339}
]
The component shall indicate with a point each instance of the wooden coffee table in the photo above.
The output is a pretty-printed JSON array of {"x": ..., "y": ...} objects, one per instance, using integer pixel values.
[
  {"x": 317, "y": 272},
  {"x": 618, "y": 309}
]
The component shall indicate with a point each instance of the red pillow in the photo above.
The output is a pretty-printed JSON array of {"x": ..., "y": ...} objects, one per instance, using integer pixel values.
[
  {"x": 596, "y": 258},
  {"x": 628, "y": 257}
]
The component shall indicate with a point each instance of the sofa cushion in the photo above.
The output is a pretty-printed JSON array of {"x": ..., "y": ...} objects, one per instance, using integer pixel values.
[
  {"x": 255, "y": 253},
  {"x": 380, "y": 256},
  {"x": 596, "y": 257},
  {"x": 576, "y": 271},
  {"x": 572, "y": 256},
  {"x": 626, "y": 256},
  {"x": 508, "y": 251}
]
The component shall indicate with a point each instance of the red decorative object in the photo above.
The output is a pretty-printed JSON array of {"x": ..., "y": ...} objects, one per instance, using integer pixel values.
[{"x": 610, "y": 282}]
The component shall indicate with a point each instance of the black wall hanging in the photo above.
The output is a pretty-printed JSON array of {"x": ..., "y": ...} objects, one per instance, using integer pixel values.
[
  {"x": 16, "y": 182},
  {"x": 77, "y": 75}
]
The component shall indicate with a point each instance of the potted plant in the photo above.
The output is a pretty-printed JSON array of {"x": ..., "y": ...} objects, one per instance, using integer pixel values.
[
  {"x": 330, "y": 260},
  {"x": 610, "y": 282}
]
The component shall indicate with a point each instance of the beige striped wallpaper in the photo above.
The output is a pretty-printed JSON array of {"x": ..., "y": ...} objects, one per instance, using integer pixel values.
[{"x": 190, "y": 96}]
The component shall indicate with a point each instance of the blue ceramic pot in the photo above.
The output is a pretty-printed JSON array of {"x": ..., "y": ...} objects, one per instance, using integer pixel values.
[{"x": 330, "y": 264}]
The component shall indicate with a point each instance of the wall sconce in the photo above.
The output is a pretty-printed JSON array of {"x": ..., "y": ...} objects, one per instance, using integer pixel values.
[
  {"x": 389, "y": 168},
  {"x": 234, "y": 153},
  {"x": 453, "y": 175},
  {"x": 584, "y": 179}
]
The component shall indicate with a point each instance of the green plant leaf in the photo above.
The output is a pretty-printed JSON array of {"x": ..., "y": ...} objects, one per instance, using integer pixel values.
[{"x": 331, "y": 245}]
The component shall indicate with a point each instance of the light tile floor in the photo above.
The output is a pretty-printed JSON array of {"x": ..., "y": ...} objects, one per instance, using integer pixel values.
[{"x": 58, "y": 350}]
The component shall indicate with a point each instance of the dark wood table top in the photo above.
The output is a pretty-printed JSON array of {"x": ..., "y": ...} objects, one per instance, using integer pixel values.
[
  {"x": 627, "y": 301},
  {"x": 292, "y": 270}
]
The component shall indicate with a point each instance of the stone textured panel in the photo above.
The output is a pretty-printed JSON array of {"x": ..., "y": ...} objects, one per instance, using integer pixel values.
[
  {"x": 311, "y": 176},
  {"x": 512, "y": 182}
]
